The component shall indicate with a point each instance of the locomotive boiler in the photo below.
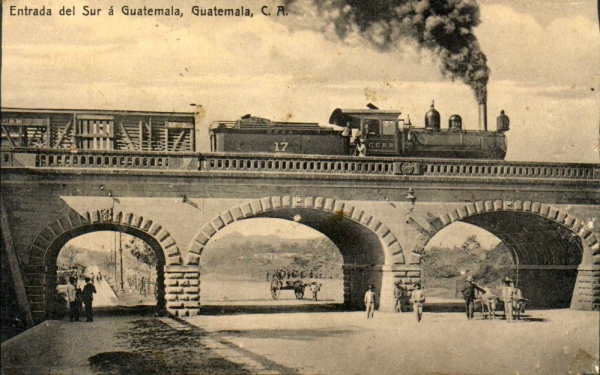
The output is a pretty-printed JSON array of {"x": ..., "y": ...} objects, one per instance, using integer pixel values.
[{"x": 382, "y": 132}]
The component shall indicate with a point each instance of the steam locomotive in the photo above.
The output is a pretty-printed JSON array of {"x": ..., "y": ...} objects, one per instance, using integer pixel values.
[{"x": 363, "y": 132}]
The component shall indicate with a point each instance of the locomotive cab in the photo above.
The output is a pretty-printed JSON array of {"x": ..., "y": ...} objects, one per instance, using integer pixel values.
[{"x": 377, "y": 129}]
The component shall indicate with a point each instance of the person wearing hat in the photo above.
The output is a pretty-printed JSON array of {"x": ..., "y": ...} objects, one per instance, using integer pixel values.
[
  {"x": 88, "y": 296},
  {"x": 370, "y": 302},
  {"x": 72, "y": 298},
  {"x": 508, "y": 295},
  {"x": 469, "y": 296},
  {"x": 418, "y": 300},
  {"x": 398, "y": 298}
]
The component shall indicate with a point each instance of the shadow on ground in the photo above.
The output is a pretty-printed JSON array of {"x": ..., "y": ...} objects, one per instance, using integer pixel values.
[
  {"x": 153, "y": 347},
  {"x": 235, "y": 309},
  {"x": 120, "y": 363},
  {"x": 136, "y": 310},
  {"x": 295, "y": 334}
]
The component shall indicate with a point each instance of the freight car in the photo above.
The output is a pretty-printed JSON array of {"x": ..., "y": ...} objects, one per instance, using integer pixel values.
[
  {"x": 97, "y": 130},
  {"x": 382, "y": 132}
]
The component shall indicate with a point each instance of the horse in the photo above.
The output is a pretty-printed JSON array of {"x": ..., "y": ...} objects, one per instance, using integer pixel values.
[{"x": 488, "y": 302}]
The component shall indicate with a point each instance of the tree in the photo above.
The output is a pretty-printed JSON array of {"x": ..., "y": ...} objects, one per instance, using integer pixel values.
[{"x": 141, "y": 251}]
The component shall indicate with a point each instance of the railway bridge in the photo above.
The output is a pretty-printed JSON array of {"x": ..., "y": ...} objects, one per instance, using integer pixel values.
[{"x": 379, "y": 212}]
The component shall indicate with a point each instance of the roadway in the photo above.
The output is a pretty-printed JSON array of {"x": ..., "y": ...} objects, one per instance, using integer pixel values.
[{"x": 318, "y": 341}]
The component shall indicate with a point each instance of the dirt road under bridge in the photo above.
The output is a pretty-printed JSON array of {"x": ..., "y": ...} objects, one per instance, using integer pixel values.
[{"x": 317, "y": 340}]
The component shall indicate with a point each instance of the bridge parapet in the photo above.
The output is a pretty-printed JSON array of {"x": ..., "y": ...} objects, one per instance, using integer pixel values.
[
  {"x": 99, "y": 159},
  {"x": 294, "y": 164},
  {"x": 396, "y": 166}
]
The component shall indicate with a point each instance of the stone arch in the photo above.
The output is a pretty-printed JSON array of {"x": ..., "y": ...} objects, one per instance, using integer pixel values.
[
  {"x": 538, "y": 253},
  {"x": 547, "y": 211},
  {"x": 78, "y": 222},
  {"x": 361, "y": 231},
  {"x": 40, "y": 271},
  {"x": 253, "y": 208}
]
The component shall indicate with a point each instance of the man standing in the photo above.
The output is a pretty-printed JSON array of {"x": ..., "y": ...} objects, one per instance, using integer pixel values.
[
  {"x": 508, "y": 294},
  {"x": 469, "y": 296},
  {"x": 370, "y": 302},
  {"x": 72, "y": 299},
  {"x": 398, "y": 298},
  {"x": 418, "y": 300},
  {"x": 88, "y": 296},
  {"x": 314, "y": 288}
]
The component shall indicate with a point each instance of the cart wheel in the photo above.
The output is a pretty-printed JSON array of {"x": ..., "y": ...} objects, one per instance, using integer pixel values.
[
  {"x": 275, "y": 289},
  {"x": 299, "y": 293}
]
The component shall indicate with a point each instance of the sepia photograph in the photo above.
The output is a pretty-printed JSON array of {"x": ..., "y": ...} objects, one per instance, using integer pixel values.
[{"x": 319, "y": 187}]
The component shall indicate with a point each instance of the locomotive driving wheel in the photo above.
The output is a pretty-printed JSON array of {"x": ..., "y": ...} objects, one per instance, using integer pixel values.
[{"x": 275, "y": 288}]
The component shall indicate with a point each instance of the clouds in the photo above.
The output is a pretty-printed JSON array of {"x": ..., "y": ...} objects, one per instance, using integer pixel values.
[
  {"x": 565, "y": 51},
  {"x": 542, "y": 72}
]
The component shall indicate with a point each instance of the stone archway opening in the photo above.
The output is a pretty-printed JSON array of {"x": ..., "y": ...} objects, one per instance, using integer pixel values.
[
  {"x": 546, "y": 254},
  {"x": 55, "y": 274},
  {"x": 240, "y": 261},
  {"x": 123, "y": 268},
  {"x": 460, "y": 250},
  {"x": 555, "y": 254},
  {"x": 367, "y": 246}
]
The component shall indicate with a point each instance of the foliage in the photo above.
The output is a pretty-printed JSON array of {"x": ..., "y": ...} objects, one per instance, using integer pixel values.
[
  {"x": 72, "y": 257},
  {"x": 252, "y": 256},
  {"x": 442, "y": 266},
  {"x": 140, "y": 250}
]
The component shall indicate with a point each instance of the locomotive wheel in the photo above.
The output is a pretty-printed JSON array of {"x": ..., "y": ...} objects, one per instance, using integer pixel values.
[
  {"x": 299, "y": 292},
  {"x": 275, "y": 289}
]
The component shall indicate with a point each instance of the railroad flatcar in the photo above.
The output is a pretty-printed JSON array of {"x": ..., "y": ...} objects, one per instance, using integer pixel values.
[{"x": 382, "y": 132}]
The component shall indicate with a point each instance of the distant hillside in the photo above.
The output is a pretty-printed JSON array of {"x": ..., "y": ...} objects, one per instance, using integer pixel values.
[{"x": 234, "y": 254}]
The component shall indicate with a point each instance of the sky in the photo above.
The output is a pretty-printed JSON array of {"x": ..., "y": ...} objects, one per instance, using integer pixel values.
[{"x": 543, "y": 56}]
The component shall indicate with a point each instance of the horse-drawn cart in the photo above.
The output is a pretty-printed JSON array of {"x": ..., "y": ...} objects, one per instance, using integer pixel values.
[
  {"x": 297, "y": 285},
  {"x": 277, "y": 285}
]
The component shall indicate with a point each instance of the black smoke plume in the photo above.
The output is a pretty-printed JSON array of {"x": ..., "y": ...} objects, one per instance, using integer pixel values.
[{"x": 444, "y": 27}]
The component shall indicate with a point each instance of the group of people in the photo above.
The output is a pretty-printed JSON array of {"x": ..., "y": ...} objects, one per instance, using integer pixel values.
[
  {"x": 417, "y": 299},
  {"x": 511, "y": 296},
  {"x": 286, "y": 273},
  {"x": 356, "y": 141},
  {"x": 77, "y": 296},
  {"x": 142, "y": 284}
]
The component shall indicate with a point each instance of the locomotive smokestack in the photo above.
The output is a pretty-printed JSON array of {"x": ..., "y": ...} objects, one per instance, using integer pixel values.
[{"x": 483, "y": 115}]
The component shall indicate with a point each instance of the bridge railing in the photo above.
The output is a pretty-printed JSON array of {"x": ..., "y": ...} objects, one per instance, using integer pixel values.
[
  {"x": 395, "y": 166},
  {"x": 520, "y": 170},
  {"x": 312, "y": 164},
  {"x": 53, "y": 158},
  {"x": 75, "y": 161},
  {"x": 308, "y": 164}
]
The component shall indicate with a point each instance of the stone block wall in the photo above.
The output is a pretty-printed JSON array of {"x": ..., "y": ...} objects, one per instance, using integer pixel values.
[
  {"x": 182, "y": 290},
  {"x": 586, "y": 295},
  {"x": 406, "y": 279}
]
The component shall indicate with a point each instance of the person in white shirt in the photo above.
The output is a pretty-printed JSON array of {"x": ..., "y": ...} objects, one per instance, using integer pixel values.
[
  {"x": 418, "y": 300},
  {"x": 72, "y": 298},
  {"x": 370, "y": 302}
]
